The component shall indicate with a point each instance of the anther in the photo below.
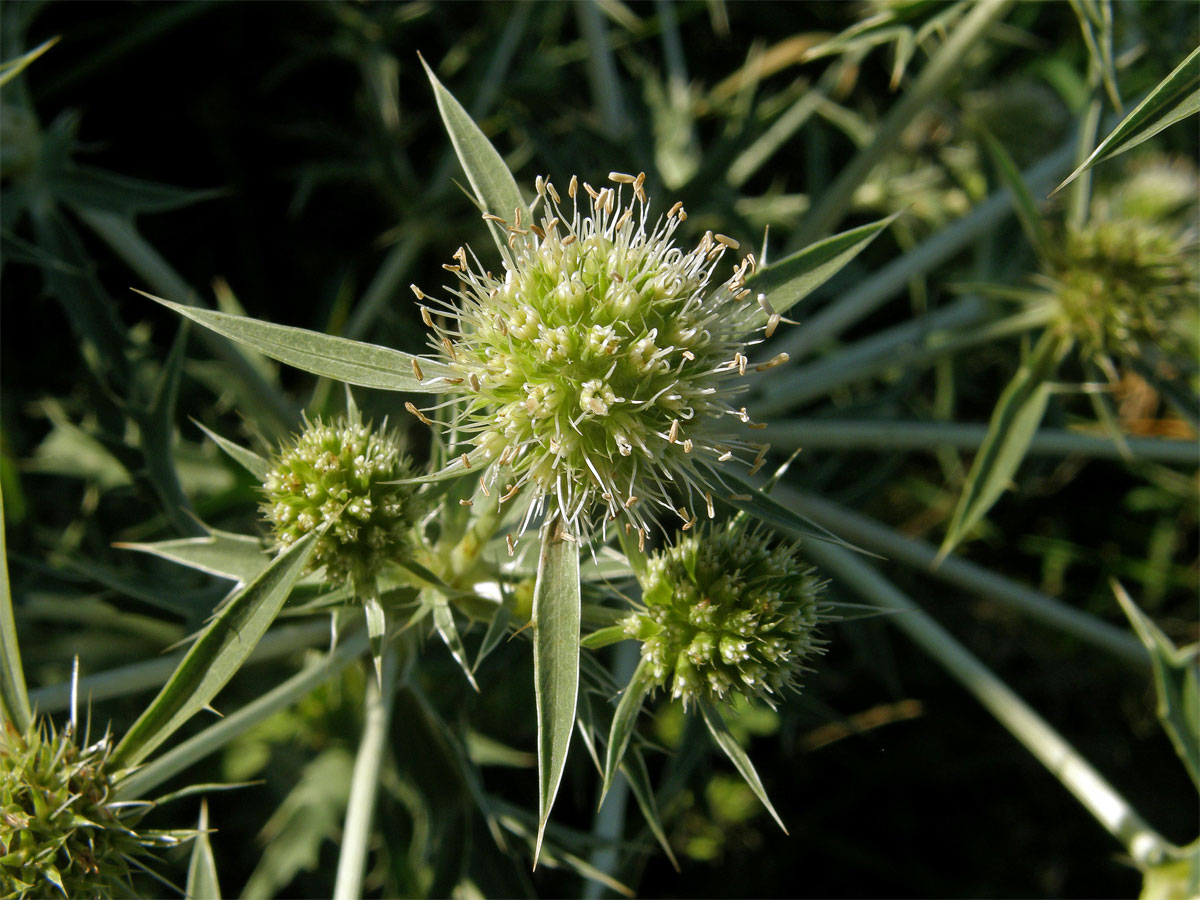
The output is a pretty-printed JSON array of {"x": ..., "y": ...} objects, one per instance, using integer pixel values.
[
  {"x": 473, "y": 380},
  {"x": 778, "y": 360},
  {"x": 772, "y": 323},
  {"x": 492, "y": 217},
  {"x": 512, "y": 492},
  {"x": 621, "y": 178},
  {"x": 425, "y": 420},
  {"x": 727, "y": 241},
  {"x": 568, "y": 240},
  {"x": 449, "y": 348},
  {"x": 483, "y": 487},
  {"x": 417, "y": 291},
  {"x": 673, "y": 434},
  {"x": 632, "y": 500},
  {"x": 687, "y": 445},
  {"x": 675, "y": 209},
  {"x": 553, "y": 193},
  {"x": 466, "y": 502},
  {"x": 708, "y": 502},
  {"x": 508, "y": 539},
  {"x": 466, "y": 460},
  {"x": 426, "y": 318}
]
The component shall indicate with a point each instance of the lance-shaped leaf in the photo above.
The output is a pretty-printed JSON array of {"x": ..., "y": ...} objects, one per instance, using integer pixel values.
[
  {"x": 202, "y": 881},
  {"x": 256, "y": 465},
  {"x": 1023, "y": 202},
  {"x": 353, "y": 362},
  {"x": 1014, "y": 423},
  {"x": 634, "y": 770},
  {"x": 794, "y": 277},
  {"x": 222, "y": 553},
  {"x": 740, "y": 759},
  {"x": 494, "y": 186},
  {"x": 217, "y": 653},
  {"x": 1176, "y": 682},
  {"x": 11, "y": 68},
  {"x": 623, "y": 722},
  {"x": 443, "y": 621},
  {"x": 14, "y": 699},
  {"x": 556, "y": 619},
  {"x": 1175, "y": 98}
]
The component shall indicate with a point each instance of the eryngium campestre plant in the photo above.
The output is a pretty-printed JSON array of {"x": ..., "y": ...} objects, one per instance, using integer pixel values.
[
  {"x": 61, "y": 833},
  {"x": 601, "y": 369},
  {"x": 337, "y": 476},
  {"x": 727, "y": 611}
]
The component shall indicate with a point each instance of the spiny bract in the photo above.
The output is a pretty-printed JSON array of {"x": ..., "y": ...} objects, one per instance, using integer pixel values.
[
  {"x": 725, "y": 611},
  {"x": 336, "y": 476},
  {"x": 61, "y": 834},
  {"x": 602, "y": 367}
]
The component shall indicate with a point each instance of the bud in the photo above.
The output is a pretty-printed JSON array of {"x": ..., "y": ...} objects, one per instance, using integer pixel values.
[
  {"x": 336, "y": 476},
  {"x": 727, "y": 611},
  {"x": 61, "y": 833}
]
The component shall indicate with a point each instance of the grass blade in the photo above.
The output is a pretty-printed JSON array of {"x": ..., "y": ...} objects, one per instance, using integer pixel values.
[
  {"x": 740, "y": 759},
  {"x": 1176, "y": 682},
  {"x": 623, "y": 723},
  {"x": 556, "y": 621},
  {"x": 202, "y": 881},
  {"x": 217, "y": 654},
  {"x": 493, "y": 184},
  {"x": 794, "y": 277},
  {"x": 353, "y": 362},
  {"x": 1175, "y": 98},
  {"x": 1014, "y": 423},
  {"x": 14, "y": 699}
]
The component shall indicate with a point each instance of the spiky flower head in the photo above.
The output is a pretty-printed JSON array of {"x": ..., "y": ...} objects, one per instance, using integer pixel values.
[
  {"x": 336, "y": 476},
  {"x": 61, "y": 832},
  {"x": 727, "y": 611},
  {"x": 601, "y": 367}
]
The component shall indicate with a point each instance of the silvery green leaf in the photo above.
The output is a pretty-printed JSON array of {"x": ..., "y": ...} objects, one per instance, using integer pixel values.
[{"x": 741, "y": 761}]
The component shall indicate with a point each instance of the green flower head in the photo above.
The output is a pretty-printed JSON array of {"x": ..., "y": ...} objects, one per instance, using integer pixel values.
[
  {"x": 61, "y": 833},
  {"x": 601, "y": 369},
  {"x": 337, "y": 477},
  {"x": 727, "y": 611}
]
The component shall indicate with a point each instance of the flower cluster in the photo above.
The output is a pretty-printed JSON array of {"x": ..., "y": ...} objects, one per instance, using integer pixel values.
[
  {"x": 601, "y": 369},
  {"x": 336, "y": 478},
  {"x": 725, "y": 611},
  {"x": 61, "y": 834}
]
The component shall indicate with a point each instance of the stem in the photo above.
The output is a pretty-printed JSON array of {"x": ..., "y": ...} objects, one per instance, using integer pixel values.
[
  {"x": 871, "y": 535},
  {"x": 1077, "y": 775},
  {"x": 931, "y": 82},
  {"x": 894, "y": 278},
  {"x": 841, "y": 434},
  {"x": 14, "y": 699},
  {"x": 356, "y": 834}
]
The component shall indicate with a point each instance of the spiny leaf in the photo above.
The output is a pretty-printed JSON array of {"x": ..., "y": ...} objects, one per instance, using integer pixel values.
[
  {"x": 493, "y": 184},
  {"x": 443, "y": 621},
  {"x": 794, "y": 277},
  {"x": 1176, "y": 682},
  {"x": 634, "y": 770},
  {"x": 202, "y": 881},
  {"x": 624, "y": 720},
  {"x": 1175, "y": 98},
  {"x": 14, "y": 698},
  {"x": 1014, "y": 423},
  {"x": 221, "y": 553},
  {"x": 1023, "y": 202},
  {"x": 256, "y": 465},
  {"x": 556, "y": 620},
  {"x": 217, "y": 654},
  {"x": 354, "y": 362},
  {"x": 741, "y": 761}
]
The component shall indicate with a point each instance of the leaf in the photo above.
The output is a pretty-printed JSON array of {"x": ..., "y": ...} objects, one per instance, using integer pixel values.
[
  {"x": 376, "y": 631},
  {"x": 443, "y": 621},
  {"x": 1014, "y": 423},
  {"x": 84, "y": 186},
  {"x": 794, "y": 277},
  {"x": 741, "y": 761},
  {"x": 227, "y": 555},
  {"x": 1023, "y": 202},
  {"x": 366, "y": 365},
  {"x": 202, "y": 869},
  {"x": 732, "y": 749},
  {"x": 217, "y": 654},
  {"x": 602, "y": 637},
  {"x": 634, "y": 770},
  {"x": 493, "y": 184},
  {"x": 1175, "y": 98},
  {"x": 496, "y": 630},
  {"x": 556, "y": 620},
  {"x": 256, "y": 465},
  {"x": 624, "y": 720},
  {"x": 1176, "y": 682},
  {"x": 10, "y": 69},
  {"x": 14, "y": 698}
]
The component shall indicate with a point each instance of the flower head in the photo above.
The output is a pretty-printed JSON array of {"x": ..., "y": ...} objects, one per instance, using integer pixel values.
[
  {"x": 726, "y": 611},
  {"x": 601, "y": 368},
  {"x": 337, "y": 476},
  {"x": 61, "y": 833}
]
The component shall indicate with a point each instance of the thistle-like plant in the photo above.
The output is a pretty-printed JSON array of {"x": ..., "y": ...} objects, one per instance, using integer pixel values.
[{"x": 601, "y": 367}]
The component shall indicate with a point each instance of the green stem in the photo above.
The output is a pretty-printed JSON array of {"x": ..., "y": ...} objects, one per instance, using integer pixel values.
[
  {"x": 356, "y": 834},
  {"x": 1075, "y": 773},
  {"x": 938, "y": 72},
  {"x": 842, "y": 434}
]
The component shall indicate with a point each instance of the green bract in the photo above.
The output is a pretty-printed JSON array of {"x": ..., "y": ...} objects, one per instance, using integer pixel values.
[
  {"x": 726, "y": 612},
  {"x": 600, "y": 370},
  {"x": 61, "y": 834},
  {"x": 336, "y": 477}
]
